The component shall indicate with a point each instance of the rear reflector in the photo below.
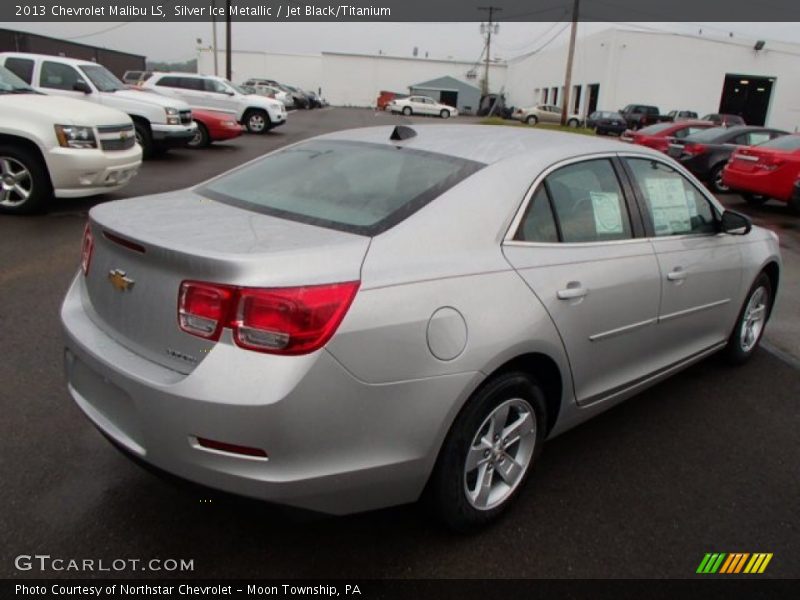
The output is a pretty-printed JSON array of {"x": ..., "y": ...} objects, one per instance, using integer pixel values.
[
  {"x": 292, "y": 320},
  {"x": 231, "y": 448},
  {"x": 87, "y": 248}
]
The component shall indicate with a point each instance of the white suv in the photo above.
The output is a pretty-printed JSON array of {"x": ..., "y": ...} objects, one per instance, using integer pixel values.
[
  {"x": 57, "y": 146},
  {"x": 257, "y": 113},
  {"x": 160, "y": 123}
]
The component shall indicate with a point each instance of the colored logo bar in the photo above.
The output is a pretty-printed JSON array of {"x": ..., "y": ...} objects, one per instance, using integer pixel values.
[{"x": 733, "y": 563}]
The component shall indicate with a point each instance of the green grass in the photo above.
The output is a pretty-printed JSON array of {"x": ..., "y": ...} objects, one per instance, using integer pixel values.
[{"x": 548, "y": 126}]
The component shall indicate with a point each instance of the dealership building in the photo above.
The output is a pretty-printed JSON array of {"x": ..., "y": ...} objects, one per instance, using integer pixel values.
[{"x": 612, "y": 68}]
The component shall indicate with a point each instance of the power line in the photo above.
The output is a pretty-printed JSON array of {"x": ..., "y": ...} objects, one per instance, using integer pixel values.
[
  {"x": 546, "y": 44},
  {"x": 533, "y": 42}
]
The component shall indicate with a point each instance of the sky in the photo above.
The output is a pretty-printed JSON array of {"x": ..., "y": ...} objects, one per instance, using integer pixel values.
[{"x": 462, "y": 41}]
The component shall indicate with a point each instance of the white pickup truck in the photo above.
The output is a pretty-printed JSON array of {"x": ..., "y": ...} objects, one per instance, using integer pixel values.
[
  {"x": 59, "y": 147},
  {"x": 160, "y": 122}
]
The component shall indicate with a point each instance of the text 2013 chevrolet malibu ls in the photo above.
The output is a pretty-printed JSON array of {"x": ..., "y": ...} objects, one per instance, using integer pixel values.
[{"x": 372, "y": 315}]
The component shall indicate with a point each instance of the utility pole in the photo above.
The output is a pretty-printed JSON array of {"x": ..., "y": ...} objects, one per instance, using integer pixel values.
[
  {"x": 214, "y": 36},
  {"x": 228, "y": 41},
  {"x": 491, "y": 27},
  {"x": 568, "y": 77}
]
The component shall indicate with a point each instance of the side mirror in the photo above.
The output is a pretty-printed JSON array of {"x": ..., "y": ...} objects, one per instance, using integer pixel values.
[
  {"x": 82, "y": 86},
  {"x": 735, "y": 223},
  {"x": 229, "y": 93}
]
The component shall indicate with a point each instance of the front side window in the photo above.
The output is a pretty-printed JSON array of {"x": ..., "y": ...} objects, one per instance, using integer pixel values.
[
  {"x": 357, "y": 187},
  {"x": 169, "y": 81},
  {"x": 58, "y": 76},
  {"x": 587, "y": 202},
  {"x": 212, "y": 85},
  {"x": 674, "y": 205},
  {"x": 103, "y": 79}
]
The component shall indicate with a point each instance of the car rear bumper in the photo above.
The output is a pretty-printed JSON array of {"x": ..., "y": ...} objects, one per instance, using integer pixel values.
[
  {"x": 78, "y": 173},
  {"x": 334, "y": 444},
  {"x": 762, "y": 183}
]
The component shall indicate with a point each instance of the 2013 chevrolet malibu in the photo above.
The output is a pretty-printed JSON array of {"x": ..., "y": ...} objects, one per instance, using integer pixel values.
[{"x": 371, "y": 316}]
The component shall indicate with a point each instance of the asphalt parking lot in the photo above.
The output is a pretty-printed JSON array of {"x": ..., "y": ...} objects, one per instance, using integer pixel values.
[{"x": 705, "y": 462}]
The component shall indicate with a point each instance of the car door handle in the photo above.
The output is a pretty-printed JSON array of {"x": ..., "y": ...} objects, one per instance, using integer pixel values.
[
  {"x": 677, "y": 274},
  {"x": 572, "y": 292}
]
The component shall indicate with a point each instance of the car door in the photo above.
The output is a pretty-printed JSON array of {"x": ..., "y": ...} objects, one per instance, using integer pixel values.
[
  {"x": 581, "y": 249},
  {"x": 701, "y": 269},
  {"x": 219, "y": 97},
  {"x": 552, "y": 114}
]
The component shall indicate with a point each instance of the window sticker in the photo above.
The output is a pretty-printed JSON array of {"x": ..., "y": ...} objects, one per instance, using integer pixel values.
[
  {"x": 669, "y": 205},
  {"x": 607, "y": 213}
]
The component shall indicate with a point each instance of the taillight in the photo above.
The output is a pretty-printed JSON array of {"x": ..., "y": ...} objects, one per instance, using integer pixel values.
[
  {"x": 87, "y": 248},
  {"x": 770, "y": 163},
  {"x": 294, "y": 320},
  {"x": 695, "y": 149}
]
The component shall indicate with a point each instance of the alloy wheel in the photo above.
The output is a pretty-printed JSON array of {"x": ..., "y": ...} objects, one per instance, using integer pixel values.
[
  {"x": 500, "y": 454},
  {"x": 755, "y": 315},
  {"x": 256, "y": 122},
  {"x": 16, "y": 182}
]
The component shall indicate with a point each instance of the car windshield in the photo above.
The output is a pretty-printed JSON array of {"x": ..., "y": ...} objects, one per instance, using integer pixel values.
[
  {"x": 103, "y": 79},
  {"x": 785, "y": 142},
  {"x": 708, "y": 135},
  {"x": 11, "y": 84},
  {"x": 358, "y": 187},
  {"x": 657, "y": 128}
]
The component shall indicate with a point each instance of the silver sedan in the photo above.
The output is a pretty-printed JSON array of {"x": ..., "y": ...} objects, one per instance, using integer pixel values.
[{"x": 374, "y": 316}]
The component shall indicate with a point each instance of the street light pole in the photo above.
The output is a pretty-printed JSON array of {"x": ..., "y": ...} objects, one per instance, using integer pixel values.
[
  {"x": 568, "y": 77},
  {"x": 228, "y": 42},
  {"x": 214, "y": 36},
  {"x": 489, "y": 27}
]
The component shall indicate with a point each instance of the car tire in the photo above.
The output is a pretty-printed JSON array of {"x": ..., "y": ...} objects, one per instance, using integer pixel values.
[
  {"x": 531, "y": 120},
  {"x": 445, "y": 114},
  {"x": 715, "y": 180},
  {"x": 572, "y": 123},
  {"x": 201, "y": 138},
  {"x": 755, "y": 199},
  {"x": 25, "y": 186},
  {"x": 467, "y": 459},
  {"x": 144, "y": 137},
  {"x": 407, "y": 111},
  {"x": 750, "y": 323},
  {"x": 257, "y": 121},
  {"x": 794, "y": 205}
]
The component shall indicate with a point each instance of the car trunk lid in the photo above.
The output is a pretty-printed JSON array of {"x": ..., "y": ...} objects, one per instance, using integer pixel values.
[{"x": 145, "y": 247}]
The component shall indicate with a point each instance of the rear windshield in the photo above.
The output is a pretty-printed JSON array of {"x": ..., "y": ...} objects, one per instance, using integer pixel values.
[
  {"x": 658, "y": 128},
  {"x": 709, "y": 135},
  {"x": 357, "y": 187},
  {"x": 785, "y": 142}
]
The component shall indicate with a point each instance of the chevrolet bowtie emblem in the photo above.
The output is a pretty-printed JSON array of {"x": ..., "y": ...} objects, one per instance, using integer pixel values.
[{"x": 120, "y": 280}]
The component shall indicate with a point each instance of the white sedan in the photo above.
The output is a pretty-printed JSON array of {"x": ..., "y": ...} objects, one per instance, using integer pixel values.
[{"x": 422, "y": 105}]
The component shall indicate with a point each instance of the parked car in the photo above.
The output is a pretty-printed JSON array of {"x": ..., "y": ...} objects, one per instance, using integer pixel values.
[
  {"x": 681, "y": 115},
  {"x": 316, "y": 100},
  {"x": 207, "y": 92},
  {"x": 494, "y": 105},
  {"x": 605, "y": 122},
  {"x": 638, "y": 116},
  {"x": 660, "y": 135},
  {"x": 136, "y": 77},
  {"x": 160, "y": 123},
  {"x": 270, "y": 91},
  {"x": 351, "y": 324},
  {"x": 768, "y": 170},
  {"x": 422, "y": 105},
  {"x": 706, "y": 152},
  {"x": 214, "y": 126},
  {"x": 59, "y": 147},
  {"x": 545, "y": 113},
  {"x": 301, "y": 99},
  {"x": 384, "y": 98},
  {"x": 723, "y": 120}
]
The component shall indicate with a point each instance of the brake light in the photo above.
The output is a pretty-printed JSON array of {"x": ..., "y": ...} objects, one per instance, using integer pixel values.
[
  {"x": 294, "y": 320},
  {"x": 87, "y": 248},
  {"x": 770, "y": 163},
  {"x": 695, "y": 149}
]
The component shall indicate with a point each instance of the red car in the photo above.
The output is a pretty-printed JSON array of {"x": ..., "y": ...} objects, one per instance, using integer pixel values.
[
  {"x": 213, "y": 126},
  {"x": 660, "y": 135},
  {"x": 385, "y": 98},
  {"x": 768, "y": 170}
]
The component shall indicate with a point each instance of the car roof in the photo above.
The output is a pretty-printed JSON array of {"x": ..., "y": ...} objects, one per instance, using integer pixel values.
[
  {"x": 491, "y": 143},
  {"x": 70, "y": 61}
]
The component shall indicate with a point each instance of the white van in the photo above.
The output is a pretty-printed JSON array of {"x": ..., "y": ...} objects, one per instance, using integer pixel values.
[
  {"x": 59, "y": 147},
  {"x": 257, "y": 113},
  {"x": 160, "y": 123}
]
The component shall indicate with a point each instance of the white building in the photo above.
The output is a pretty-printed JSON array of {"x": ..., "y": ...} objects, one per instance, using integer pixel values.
[
  {"x": 616, "y": 67},
  {"x": 347, "y": 79}
]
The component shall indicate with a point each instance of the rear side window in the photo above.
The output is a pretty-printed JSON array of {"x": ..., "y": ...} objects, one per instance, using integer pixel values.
[
  {"x": 784, "y": 142},
  {"x": 358, "y": 187},
  {"x": 58, "y": 76},
  {"x": 674, "y": 205},
  {"x": 22, "y": 68},
  {"x": 587, "y": 202},
  {"x": 538, "y": 224}
]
